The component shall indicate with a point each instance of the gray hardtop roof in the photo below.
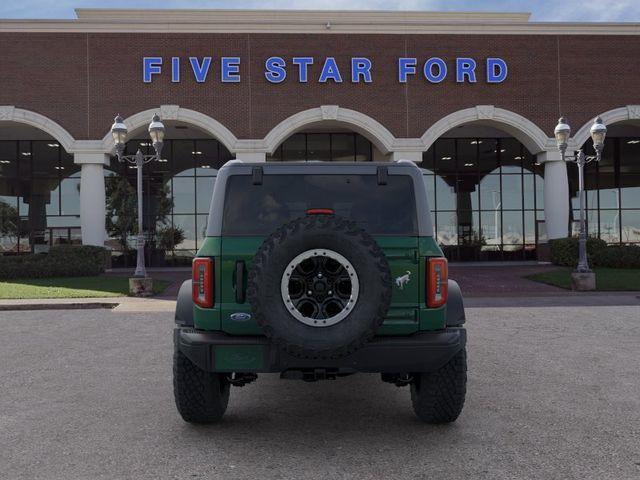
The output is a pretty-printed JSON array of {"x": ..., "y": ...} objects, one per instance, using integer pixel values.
[{"x": 237, "y": 167}]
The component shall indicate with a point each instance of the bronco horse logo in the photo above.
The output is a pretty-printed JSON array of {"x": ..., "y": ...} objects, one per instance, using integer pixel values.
[{"x": 403, "y": 280}]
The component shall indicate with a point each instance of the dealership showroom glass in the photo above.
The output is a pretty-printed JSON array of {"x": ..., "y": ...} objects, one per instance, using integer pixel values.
[{"x": 472, "y": 98}]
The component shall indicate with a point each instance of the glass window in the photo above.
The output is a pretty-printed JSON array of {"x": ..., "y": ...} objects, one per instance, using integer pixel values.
[
  {"x": 294, "y": 148},
  {"x": 343, "y": 147},
  {"x": 318, "y": 147},
  {"x": 528, "y": 182},
  {"x": 447, "y": 228},
  {"x": 183, "y": 195},
  {"x": 445, "y": 194},
  {"x": 488, "y": 156},
  {"x": 530, "y": 227},
  {"x": 24, "y": 159},
  {"x": 467, "y": 192},
  {"x": 630, "y": 226},
  {"x": 511, "y": 155},
  {"x": 539, "y": 192},
  {"x": 467, "y": 154},
  {"x": 630, "y": 172},
  {"x": 490, "y": 223},
  {"x": 445, "y": 161},
  {"x": 610, "y": 226},
  {"x": 512, "y": 192},
  {"x": 490, "y": 192},
  {"x": 70, "y": 196},
  {"x": 363, "y": 149},
  {"x": 45, "y": 158},
  {"x": 183, "y": 153},
  {"x": 260, "y": 209},
  {"x": 204, "y": 190},
  {"x": 188, "y": 225},
  {"x": 207, "y": 160},
  {"x": 630, "y": 195},
  {"x": 8, "y": 159},
  {"x": 9, "y": 220},
  {"x": 512, "y": 232}
]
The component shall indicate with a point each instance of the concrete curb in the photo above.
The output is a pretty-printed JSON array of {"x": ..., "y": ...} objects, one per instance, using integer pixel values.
[{"x": 57, "y": 306}]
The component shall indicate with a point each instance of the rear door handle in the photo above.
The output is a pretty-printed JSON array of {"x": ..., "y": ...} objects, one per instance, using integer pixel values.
[{"x": 240, "y": 274}]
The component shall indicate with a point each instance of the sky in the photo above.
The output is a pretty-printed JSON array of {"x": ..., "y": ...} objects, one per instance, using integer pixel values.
[{"x": 542, "y": 10}]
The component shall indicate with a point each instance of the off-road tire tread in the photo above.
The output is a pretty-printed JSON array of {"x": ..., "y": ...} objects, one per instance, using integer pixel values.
[
  {"x": 438, "y": 397},
  {"x": 334, "y": 223},
  {"x": 201, "y": 397}
]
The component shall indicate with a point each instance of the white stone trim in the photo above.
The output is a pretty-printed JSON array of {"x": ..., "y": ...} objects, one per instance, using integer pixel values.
[
  {"x": 10, "y": 113},
  {"x": 531, "y": 136},
  {"x": 254, "y": 157},
  {"x": 377, "y": 133},
  {"x": 621, "y": 114},
  {"x": 177, "y": 113}
]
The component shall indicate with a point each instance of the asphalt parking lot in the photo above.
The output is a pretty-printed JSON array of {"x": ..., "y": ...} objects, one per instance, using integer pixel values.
[{"x": 554, "y": 392}]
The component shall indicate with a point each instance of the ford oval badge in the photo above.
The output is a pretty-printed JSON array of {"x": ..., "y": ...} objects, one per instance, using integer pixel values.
[{"x": 240, "y": 317}]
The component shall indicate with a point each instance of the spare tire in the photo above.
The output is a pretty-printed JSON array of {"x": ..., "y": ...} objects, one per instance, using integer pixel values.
[{"x": 319, "y": 287}]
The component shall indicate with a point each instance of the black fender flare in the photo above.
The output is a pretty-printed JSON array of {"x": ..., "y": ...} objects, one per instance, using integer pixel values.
[
  {"x": 184, "y": 305},
  {"x": 455, "y": 305}
]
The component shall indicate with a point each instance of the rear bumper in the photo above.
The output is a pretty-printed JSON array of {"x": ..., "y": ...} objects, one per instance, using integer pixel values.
[{"x": 420, "y": 352}]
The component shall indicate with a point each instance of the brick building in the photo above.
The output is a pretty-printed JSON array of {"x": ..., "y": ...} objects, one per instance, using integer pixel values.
[{"x": 472, "y": 97}]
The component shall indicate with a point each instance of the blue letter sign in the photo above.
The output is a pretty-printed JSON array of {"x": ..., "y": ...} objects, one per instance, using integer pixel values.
[
  {"x": 496, "y": 70},
  {"x": 360, "y": 67},
  {"x": 151, "y": 66},
  {"x": 200, "y": 70},
  {"x": 275, "y": 69},
  {"x": 330, "y": 71},
  {"x": 433, "y": 69},
  {"x": 406, "y": 66}
]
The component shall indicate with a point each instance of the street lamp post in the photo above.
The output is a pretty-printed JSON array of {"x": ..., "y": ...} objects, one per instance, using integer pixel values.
[
  {"x": 583, "y": 277},
  {"x": 119, "y": 133}
]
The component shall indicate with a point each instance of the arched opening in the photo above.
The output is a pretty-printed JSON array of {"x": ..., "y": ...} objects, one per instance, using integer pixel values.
[
  {"x": 176, "y": 195},
  {"x": 39, "y": 190},
  {"x": 329, "y": 133},
  {"x": 612, "y": 187},
  {"x": 486, "y": 194},
  {"x": 326, "y": 142}
]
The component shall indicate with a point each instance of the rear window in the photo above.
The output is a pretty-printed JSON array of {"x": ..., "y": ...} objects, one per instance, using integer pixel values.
[{"x": 259, "y": 209}]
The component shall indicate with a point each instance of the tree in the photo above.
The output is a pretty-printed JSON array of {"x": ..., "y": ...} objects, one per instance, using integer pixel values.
[{"x": 122, "y": 208}]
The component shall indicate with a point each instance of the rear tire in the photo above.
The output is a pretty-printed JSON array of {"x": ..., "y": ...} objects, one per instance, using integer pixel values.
[
  {"x": 201, "y": 397},
  {"x": 438, "y": 397}
]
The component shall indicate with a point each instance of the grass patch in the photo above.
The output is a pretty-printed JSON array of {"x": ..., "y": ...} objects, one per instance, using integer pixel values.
[
  {"x": 607, "y": 279},
  {"x": 71, "y": 287}
]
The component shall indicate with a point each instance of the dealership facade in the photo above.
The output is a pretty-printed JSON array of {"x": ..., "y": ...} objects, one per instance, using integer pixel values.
[{"x": 472, "y": 98}]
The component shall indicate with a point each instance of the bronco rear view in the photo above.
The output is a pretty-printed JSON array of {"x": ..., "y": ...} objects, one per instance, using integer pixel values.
[{"x": 315, "y": 271}]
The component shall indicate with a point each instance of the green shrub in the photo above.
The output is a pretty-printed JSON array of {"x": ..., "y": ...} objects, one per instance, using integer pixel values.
[
  {"x": 565, "y": 252},
  {"x": 61, "y": 261},
  {"x": 618, "y": 256}
]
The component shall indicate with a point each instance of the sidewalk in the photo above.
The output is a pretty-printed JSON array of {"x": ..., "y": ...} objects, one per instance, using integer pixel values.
[{"x": 483, "y": 285}]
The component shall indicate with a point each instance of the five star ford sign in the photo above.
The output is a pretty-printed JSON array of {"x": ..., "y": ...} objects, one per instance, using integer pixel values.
[{"x": 360, "y": 69}]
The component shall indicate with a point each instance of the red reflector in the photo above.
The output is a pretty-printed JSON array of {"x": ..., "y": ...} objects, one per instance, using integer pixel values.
[
  {"x": 320, "y": 211},
  {"x": 202, "y": 282},
  {"x": 437, "y": 282}
]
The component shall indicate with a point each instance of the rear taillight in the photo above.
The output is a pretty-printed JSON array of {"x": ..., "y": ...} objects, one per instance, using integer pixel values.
[
  {"x": 437, "y": 282},
  {"x": 202, "y": 282}
]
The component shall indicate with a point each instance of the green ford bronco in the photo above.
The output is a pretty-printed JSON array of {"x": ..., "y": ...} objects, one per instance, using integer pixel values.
[{"x": 316, "y": 271}]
